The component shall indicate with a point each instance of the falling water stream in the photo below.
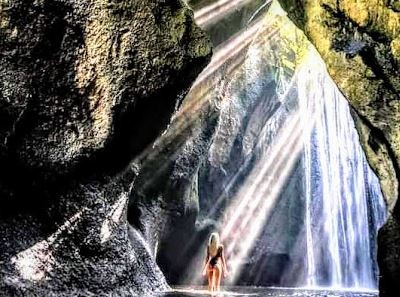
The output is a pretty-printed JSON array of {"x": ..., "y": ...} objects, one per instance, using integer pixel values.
[
  {"x": 297, "y": 205},
  {"x": 344, "y": 205}
]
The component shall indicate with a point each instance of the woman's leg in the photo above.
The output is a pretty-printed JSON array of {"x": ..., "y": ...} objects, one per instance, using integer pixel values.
[
  {"x": 213, "y": 280},
  {"x": 217, "y": 276},
  {"x": 210, "y": 278}
]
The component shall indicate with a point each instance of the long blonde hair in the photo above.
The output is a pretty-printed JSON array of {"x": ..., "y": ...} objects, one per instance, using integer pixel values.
[{"x": 213, "y": 244}]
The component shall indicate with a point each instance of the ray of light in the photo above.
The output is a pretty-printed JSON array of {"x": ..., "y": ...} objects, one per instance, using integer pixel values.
[
  {"x": 229, "y": 56},
  {"x": 196, "y": 260},
  {"x": 34, "y": 263},
  {"x": 245, "y": 195},
  {"x": 258, "y": 11},
  {"x": 248, "y": 211},
  {"x": 229, "y": 49},
  {"x": 255, "y": 202},
  {"x": 252, "y": 192},
  {"x": 217, "y": 11},
  {"x": 262, "y": 194},
  {"x": 237, "y": 175},
  {"x": 253, "y": 220}
]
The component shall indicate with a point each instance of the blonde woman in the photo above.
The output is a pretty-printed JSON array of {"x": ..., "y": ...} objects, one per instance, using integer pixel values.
[{"x": 215, "y": 264}]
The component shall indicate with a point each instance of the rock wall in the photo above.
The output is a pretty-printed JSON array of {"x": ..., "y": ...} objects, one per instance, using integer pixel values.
[
  {"x": 85, "y": 87},
  {"x": 359, "y": 41}
]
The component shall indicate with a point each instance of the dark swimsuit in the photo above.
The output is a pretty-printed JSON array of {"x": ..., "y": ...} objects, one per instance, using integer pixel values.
[{"x": 214, "y": 260}]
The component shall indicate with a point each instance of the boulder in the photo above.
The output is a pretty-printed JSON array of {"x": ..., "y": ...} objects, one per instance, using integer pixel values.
[{"x": 85, "y": 87}]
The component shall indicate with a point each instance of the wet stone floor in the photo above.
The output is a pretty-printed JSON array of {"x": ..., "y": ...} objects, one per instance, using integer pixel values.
[{"x": 264, "y": 292}]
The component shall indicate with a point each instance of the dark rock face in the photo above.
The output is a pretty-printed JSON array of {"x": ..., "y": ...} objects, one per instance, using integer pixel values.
[
  {"x": 85, "y": 87},
  {"x": 389, "y": 257},
  {"x": 359, "y": 41},
  {"x": 78, "y": 69}
]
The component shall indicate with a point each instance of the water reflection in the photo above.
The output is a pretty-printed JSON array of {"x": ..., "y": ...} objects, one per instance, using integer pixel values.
[{"x": 264, "y": 292}]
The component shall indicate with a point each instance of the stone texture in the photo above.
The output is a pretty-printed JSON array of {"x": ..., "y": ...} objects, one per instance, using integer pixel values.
[
  {"x": 85, "y": 87},
  {"x": 359, "y": 41}
]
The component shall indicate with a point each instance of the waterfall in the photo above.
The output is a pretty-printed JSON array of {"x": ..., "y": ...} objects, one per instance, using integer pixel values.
[
  {"x": 338, "y": 186},
  {"x": 285, "y": 179}
]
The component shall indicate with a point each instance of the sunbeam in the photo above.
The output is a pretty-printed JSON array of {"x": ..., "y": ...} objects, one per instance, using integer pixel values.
[
  {"x": 229, "y": 49},
  {"x": 217, "y": 11},
  {"x": 227, "y": 58},
  {"x": 257, "y": 177}
]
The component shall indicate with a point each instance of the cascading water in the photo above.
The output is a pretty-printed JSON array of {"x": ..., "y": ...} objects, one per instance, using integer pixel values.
[
  {"x": 338, "y": 187},
  {"x": 285, "y": 180},
  {"x": 302, "y": 158}
]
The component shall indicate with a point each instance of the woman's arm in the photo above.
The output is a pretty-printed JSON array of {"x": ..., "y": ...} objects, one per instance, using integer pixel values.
[
  {"x": 224, "y": 267},
  {"x": 206, "y": 262}
]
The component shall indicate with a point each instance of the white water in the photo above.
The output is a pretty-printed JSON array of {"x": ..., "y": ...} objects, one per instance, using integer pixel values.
[{"x": 337, "y": 178}]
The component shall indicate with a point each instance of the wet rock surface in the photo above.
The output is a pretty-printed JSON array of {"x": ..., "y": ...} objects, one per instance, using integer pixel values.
[{"x": 85, "y": 87}]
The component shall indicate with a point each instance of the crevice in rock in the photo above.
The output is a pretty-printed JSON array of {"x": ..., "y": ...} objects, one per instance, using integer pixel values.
[
  {"x": 367, "y": 50},
  {"x": 380, "y": 137}
]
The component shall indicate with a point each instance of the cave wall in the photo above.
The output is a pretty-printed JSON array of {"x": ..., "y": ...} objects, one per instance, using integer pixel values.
[
  {"x": 359, "y": 41},
  {"x": 85, "y": 87}
]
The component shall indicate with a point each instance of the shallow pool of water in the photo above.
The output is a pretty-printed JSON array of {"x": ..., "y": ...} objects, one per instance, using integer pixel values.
[{"x": 265, "y": 292}]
